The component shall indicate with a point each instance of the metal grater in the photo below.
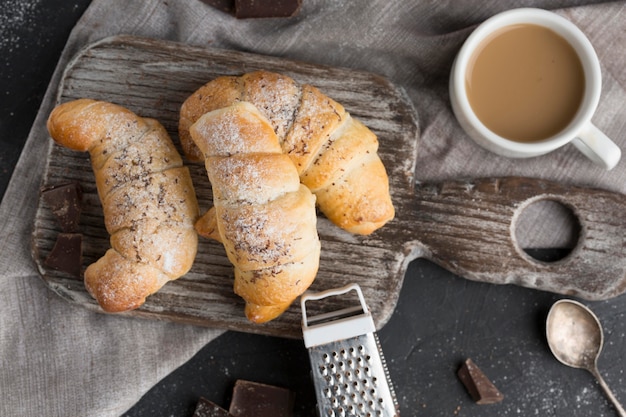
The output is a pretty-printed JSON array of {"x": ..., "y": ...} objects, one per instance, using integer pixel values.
[{"x": 348, "y": 367}]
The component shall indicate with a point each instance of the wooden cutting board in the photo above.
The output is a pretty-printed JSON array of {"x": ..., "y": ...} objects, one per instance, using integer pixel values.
[{"x": 465, "y": 226}]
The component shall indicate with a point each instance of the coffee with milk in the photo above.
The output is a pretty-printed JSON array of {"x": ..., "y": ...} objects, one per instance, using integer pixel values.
[{"x": 525, "y": 82}]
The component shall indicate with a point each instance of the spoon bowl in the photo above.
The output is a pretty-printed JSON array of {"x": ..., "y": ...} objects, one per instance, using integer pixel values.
[
  {"x": 574, "y": 334},
  {"x": 575, "y": 338}
]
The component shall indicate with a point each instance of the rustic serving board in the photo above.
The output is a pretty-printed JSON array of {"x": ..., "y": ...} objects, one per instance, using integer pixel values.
[
  {"x": 465, "y": 226},
  {"x": 153, "y": 78}
]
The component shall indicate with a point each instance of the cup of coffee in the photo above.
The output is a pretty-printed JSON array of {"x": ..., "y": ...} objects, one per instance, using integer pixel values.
[{"x": 526, "y": 82}]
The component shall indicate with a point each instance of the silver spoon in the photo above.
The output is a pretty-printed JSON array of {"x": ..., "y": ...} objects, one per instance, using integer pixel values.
[{"x": 575, "y": 338}]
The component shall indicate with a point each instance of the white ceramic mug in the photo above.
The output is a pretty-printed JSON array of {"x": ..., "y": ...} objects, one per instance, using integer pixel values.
[{"x": 580, "y": 131}]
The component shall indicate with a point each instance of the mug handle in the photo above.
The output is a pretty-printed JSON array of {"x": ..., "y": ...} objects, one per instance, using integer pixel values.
[{"x": 597, "y": 146}]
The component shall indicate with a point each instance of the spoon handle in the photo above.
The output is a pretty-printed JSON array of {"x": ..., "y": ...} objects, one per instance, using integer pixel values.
[{"x": 608, "y": 392}]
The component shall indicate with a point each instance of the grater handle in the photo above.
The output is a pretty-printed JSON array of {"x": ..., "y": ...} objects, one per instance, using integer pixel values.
[
  {"x": 337, "y": 325},
  {"x": 329, "y": 293}
]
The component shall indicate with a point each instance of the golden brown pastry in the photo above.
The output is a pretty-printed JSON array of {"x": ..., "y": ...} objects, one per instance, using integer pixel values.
[
  {"x": 262, "y": 214},
  {"x": 147, "y": 197},
  {"x": 336, "y": 155}
]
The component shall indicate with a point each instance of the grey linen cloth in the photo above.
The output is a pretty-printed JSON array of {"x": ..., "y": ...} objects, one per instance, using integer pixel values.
[{"x": 59, "y": 360}]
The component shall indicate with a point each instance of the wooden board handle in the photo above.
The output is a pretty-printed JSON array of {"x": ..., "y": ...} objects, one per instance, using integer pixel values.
[{"x": 468, "y": 227}]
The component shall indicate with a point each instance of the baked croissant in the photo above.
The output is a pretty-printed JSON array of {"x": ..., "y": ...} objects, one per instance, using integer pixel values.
[
  {"x": 262, "y": 214},
  {"x": 147, "y": 196},
  {"x": 335, "y": 154}
]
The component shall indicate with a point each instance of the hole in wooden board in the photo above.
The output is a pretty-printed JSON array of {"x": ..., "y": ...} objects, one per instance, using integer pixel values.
[{"x": 546, "y": 230}]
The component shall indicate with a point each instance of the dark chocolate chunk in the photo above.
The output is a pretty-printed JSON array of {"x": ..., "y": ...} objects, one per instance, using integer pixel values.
[
  {"x": 206, "y": 408},
  {"x": 65, "y": 202},
  {"x": 227, "y": 6},
  {"x": 478, "y": 385},
  {"x": 66, "y": 255},
  {"x": 252, "y": 399},
  {"x": 245, "y": 9}
]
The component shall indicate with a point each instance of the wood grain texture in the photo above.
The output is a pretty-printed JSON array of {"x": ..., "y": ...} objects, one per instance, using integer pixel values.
[
  {"x": 466, "y": 226},
  {"x": 469, "y": 228},
  {"x": 153, "y": 78}
]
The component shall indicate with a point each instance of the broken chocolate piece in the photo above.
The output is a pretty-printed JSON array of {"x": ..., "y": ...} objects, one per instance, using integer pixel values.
[
  {"x": 260, "y": 400},
  {"x": 245, "y": 9},
  {"x": 65, "y": 202},
  {"x": 478, "y": 385},
  {"x": 226, "y": 6},
  {"x": 66, "y": 255},
  {"x": 206, "y": 408}
]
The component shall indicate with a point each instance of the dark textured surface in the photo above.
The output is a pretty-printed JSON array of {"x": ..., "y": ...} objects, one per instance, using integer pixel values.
[{"x": 440, "y": 319}]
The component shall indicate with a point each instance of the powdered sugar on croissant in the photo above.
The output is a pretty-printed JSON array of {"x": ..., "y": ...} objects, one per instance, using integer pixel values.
[
  {"x": 147, "y": 196},
  {"x": 262, "y": 214},
  {"x": 335, "y": 154}
]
